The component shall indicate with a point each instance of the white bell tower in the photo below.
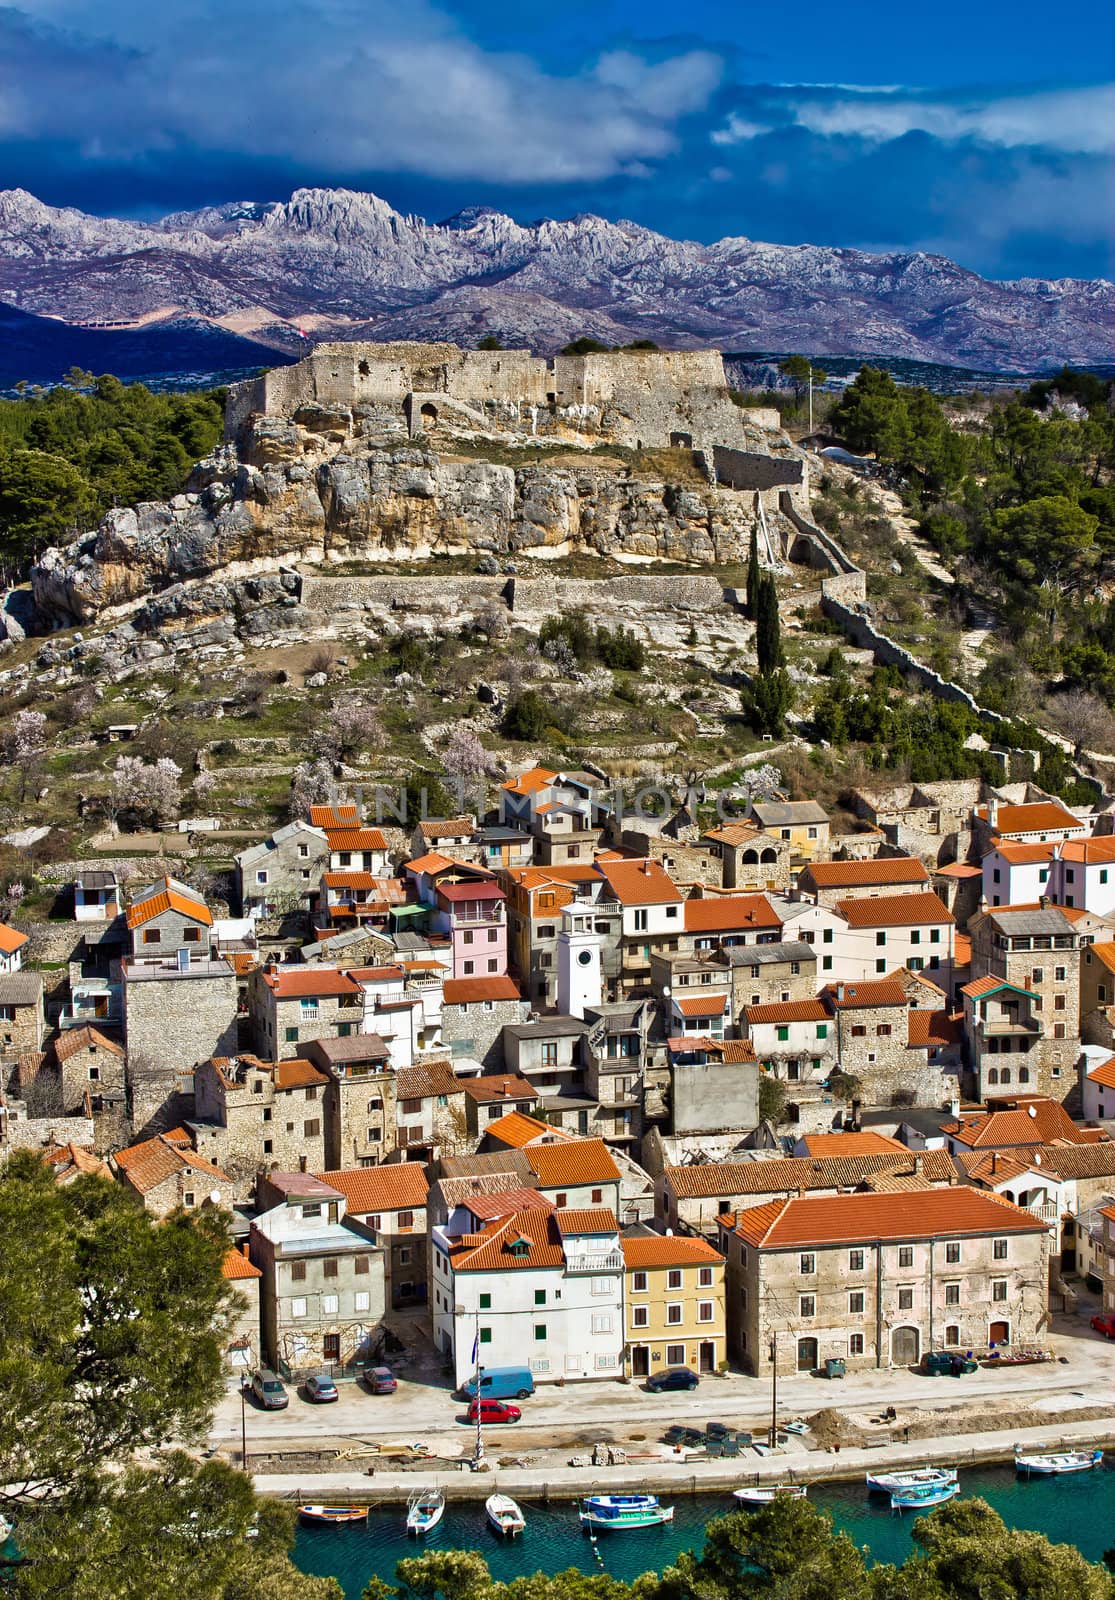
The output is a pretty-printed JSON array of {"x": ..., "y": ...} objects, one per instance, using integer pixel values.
[{"x": 579, "y": 965}]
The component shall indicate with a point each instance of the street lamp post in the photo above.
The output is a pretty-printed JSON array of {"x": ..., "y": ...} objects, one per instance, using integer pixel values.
[
  {"x": 774, "y": 1391},
  {"x": 243, "y": 1428}
]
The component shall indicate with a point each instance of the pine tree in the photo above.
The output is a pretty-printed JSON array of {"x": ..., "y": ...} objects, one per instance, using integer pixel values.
[
  {"x": 754, "y": 575},
  {"x": 768, "y": 633}
]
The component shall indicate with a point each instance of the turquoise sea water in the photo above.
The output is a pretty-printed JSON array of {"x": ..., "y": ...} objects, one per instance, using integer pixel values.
[{"x": 1077, "y": 1510}]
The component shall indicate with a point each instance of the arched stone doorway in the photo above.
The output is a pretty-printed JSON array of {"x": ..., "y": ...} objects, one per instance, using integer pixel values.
[{"x": 905, "y": 1347}]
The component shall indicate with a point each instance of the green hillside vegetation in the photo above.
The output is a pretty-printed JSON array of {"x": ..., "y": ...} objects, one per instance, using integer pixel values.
[{"x": 68, "y": 454}]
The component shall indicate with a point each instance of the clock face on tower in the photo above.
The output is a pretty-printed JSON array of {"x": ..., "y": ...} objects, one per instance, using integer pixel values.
[{"x": 585, "y": 957}]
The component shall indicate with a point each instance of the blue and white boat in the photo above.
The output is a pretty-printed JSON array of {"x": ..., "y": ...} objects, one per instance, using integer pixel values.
[
  {"x": 624, "y": 1511},
  {"x": 921, "y": 1499},
  {"x": 764, "y": 1494},
  {"x": 1045, "y": 1463},
  {"x": 909, "y": 1478},
  {"x": 425, "y": 1510}
]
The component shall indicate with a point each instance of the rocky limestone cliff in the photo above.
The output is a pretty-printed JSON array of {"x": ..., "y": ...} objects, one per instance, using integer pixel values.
[{"x": 317, "y": 491}]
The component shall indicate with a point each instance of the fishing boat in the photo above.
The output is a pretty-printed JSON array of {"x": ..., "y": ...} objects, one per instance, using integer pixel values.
[
  {"x": 333, "y": 1514},
  {"x": 923, "y": 1497},
  {"x": 763, "y": 1494},
  {"x": 911, "y": 1478},
  {"x": 1048, "y": 1462},
  {"x": 425, "y": 1510},
  {"x": 624, "y": 1511},
  {"x": 504, "y": 1515}
]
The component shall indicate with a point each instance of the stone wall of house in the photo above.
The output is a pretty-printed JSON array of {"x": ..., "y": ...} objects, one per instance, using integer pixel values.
[
  {"x": 171, "y": 1024},
  {"x": 717, "y": 1098},
  {"x": 475, "y": 1031},
  {"x": 898, "y": 1075},
  {"x": 35, "y": 1133}
]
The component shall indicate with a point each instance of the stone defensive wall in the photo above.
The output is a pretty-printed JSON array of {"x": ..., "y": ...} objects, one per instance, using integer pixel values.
[
  {"x": 654, "y": 398},
  {"x": 531, "y": 596}
]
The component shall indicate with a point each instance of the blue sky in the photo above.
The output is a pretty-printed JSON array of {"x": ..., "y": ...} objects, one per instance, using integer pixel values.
[{"x": 982, "y": 130}]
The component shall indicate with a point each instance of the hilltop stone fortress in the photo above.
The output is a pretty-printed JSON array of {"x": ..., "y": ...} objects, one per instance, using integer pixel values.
[{"x": 399, "y": 452}]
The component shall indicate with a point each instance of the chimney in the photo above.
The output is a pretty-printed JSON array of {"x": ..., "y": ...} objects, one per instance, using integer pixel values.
[
  {"x": 1043, "y": 901},
  {"x": 994, "y": 1162},
  {"x": 993, "y": 812},
  {"x": 840, "y": 992},
  {"x": 918, "y": 1158},
  {"x": 244, "y": 1248}
]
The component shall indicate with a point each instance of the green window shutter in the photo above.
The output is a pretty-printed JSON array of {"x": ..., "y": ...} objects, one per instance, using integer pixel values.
[
  {"x": 485, "y": 1336},
  {"x": 485, "y": 1302}
]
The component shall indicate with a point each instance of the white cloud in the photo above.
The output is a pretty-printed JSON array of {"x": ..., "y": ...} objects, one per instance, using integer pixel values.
[{"x": 344, "y": 85}]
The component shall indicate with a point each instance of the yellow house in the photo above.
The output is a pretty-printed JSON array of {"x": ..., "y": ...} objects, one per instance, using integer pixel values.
[
  {"x": 803, "y": 824},
  {"x": 674, "y": 1305}
]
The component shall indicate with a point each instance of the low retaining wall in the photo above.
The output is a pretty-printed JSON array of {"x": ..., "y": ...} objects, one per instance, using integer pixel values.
[{"x": 523, "y": 596}]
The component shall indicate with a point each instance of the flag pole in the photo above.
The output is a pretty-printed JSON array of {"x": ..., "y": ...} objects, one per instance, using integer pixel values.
[{"x": 478, "y": 1454}]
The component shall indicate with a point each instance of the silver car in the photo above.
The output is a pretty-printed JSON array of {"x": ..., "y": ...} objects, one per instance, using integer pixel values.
[
  {"x": 268, "y": 1390},
  {"x": 320, "y": 1388}
]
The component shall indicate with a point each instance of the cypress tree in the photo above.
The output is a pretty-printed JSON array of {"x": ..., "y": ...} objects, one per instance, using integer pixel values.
[
  {"x": 754, "y": 575},
  {"x": 768, "y": 634}
]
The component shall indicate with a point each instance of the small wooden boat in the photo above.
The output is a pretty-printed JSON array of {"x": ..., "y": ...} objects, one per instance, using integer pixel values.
[
  {"x": 331, "y": 1514},
  {"x": 425, "y": 1510},
  {"x": 1046, "y": 1463},
  {"x": 504, "y": 1515},
  {"x": 763, "y": 1494},
  {"x": 624, "y": 1511},
  {"x": 911, "y": 1478},
  {"x": 921, "y": 1499}
]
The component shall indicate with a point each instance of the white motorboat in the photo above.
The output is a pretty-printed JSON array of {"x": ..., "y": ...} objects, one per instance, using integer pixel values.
[
  {"x": 504, "y": 1515},
  {"x": 624, "y": 1511},
  {"x": 764, "y": 1494},
  {"x": 425, "y": 1510},
  {"x": 911, "y": 1478},
  {"x": 1047, "y": 1462},
  {"x": 924, "y": 1497}
]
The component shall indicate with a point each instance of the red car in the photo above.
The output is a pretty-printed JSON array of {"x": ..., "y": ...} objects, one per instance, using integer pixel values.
[
  {"x": 1104, "y": 1325},
  {"x": 494, "y": 1411}
]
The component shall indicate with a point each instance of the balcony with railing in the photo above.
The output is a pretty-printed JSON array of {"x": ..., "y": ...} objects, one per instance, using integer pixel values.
[{"x": 608, "y": 1261}]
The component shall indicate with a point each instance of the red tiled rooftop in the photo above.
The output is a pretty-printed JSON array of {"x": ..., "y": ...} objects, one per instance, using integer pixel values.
[
  {"x": 855, "y": 1218},
  {"x": 787, "y": 1011},
  {"x": 863, "y": 874},
  {"x": 895, "y": 911},
  {"x": 395, "y": 1186},
  {"x": 643, "y": 1253},
  {"x": 467, "y": 991}
]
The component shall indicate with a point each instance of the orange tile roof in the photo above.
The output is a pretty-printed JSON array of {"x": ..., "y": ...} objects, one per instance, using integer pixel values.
[
  {"x": 1104, "y": 953},
  {"x": 728, "y": 912},
  {"x": 428, "y": 1078},
  {"x": 852, "y": 1218},
  {"x": 81, "y": 1039},
  {"x": 928, "y": 1028},
  {"x": 959, "y": 869},
  {"x": 490, "y": 1251},
  {"x": 880, "y": 869},
  {"x": 576, "y": 1162},
  {"x": 778, "y": 1175},
  {"x": 11, "y": 939},
  {"x": 852, "y": 1144},
  {"x": 895, "y": 911},
  {"x": 531, "y": 781},
  {"x": 448, "y": 828},
  {"x": 599, "y": 1219},
  {"x": 986, "y": 985},
  {"x": 304, "y": 983},
  {"x": 869, "y": 992},
  {"x": 1092, "y": 852},
  {"x": 396, "y": 1186},
  {"x": 149, "y": 1163},
  {"x": 642, "y": 882},
  {"x": 237, "y": 1266},
  {"x": 516, "y": 1129},
  {"x": 68, "y": 1161},
  {"x": 432, "y": 861},
  {"x": 168, "y": 899},
  {"x": 242, "y": 961},
  {"x": 349, "y": 880},
  {"x": 499, "y": 1086},
  {"x": 961, "y": 950},
  {"x": 1031, "y": 818},
  {"x": 382, "y": 973},
  {"x": 355, "y": 839},
  {"x": 490, "y": 1204},
  {"x": 702, "y": 1005},
  {"x": 297, "y": 1074},
  {"x": 1025, "y": 855},
  {"x": 735, "y": 833},
  {"x": 1104, "y": 1074},
  {"x": 334, "y": 816},
  {"x": 1040, "y": 1121},
  {"x": 994, "y": 1165},
  {"x": 465, "y": 991},
  {"x": 644, "y": 1253},
  {"x": 730, "y": 1050},
  {"x": 787, "y": 1011},
  {"x": 1079, "y": 1160}
]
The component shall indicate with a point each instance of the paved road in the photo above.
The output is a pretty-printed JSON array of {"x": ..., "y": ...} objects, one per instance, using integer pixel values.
[{"x": 423, "y": 1411}]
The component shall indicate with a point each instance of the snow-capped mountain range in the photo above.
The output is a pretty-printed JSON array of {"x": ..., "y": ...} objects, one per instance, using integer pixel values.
[{"x": 335, "y": 263}]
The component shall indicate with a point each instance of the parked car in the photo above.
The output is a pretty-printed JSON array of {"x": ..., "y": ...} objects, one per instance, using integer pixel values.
[
  {"x": 320, "y": 1388},
  {"x": 380, "y": 1380},
  {"x": 947, "y": 1364},
  {"x": 268, "y": 1390},
  {"x": 494, "y": 1411},
  {"x": 501, "y": 1383},
  {"x": 1104, "y": 1325},
  {"x": 672, "y": 1378}
]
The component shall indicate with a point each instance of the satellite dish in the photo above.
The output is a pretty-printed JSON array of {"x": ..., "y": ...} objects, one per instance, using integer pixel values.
[{"x": 1032, "y": 1110}]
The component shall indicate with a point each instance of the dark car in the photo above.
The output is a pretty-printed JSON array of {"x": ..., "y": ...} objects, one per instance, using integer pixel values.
[
  {"x": 320, "y": 1388},
  {"x": 268, "y": 1390},
  {"x": 381, "y": 1380},
  {"x": 1104, "y": 1325},
  {"x": 948, "y": 1364},
  {"x": 673, "y": 1378},
  {"x": 494, "y": 1411}
]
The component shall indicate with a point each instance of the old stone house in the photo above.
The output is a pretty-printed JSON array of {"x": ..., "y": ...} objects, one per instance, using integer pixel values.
[
  {"x": 360, "y": 1124},
  {"x": 92, "y": 1080},
  {"x": 876, "y": 1044},
  {"x": 323, "y": 1283},
  {"x": 452, "y": 837},
  {"x": 474, "y": 1013},
  {"x": 713, "y": 1087},
  {"x": 430, "y": 1116},
  {"x": 281, "y": 874},
  {"x": 1036, "y": 948},
  {"x": 674, "y": 1305},
  {"x": 491, "y": 1096},
  {"x": 803, "y": 824},
  {"x": 829, "y": 882},
  {"x": 170, "y": 921},
  {"x": 390, "y": 1201},
  {"x": 291, "y": 1006},
  {"x": 877, "y": 1280},
  {"x": 242, "y": 1347},
  {"x": 22, "y": 1015},
  {"x": 252, "y": 1113},
  {"x": 166, "y": 1173},
  {"x": 750, "y": 858}
]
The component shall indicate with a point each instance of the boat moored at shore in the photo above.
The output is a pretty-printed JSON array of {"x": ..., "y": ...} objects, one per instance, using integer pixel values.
[
  {"x": 624, "y": 1511},
  {"x": 911, "y": 1478},
  {"x": 425, "y": 1509},
  {"x": 762, "y": 1494},
  {"x": 924, "y": 1496},
  {"x": 504, "y": 1515},
  {"x": 1047, "y": 1463},
  {"x": 331, "y": 1515}
]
